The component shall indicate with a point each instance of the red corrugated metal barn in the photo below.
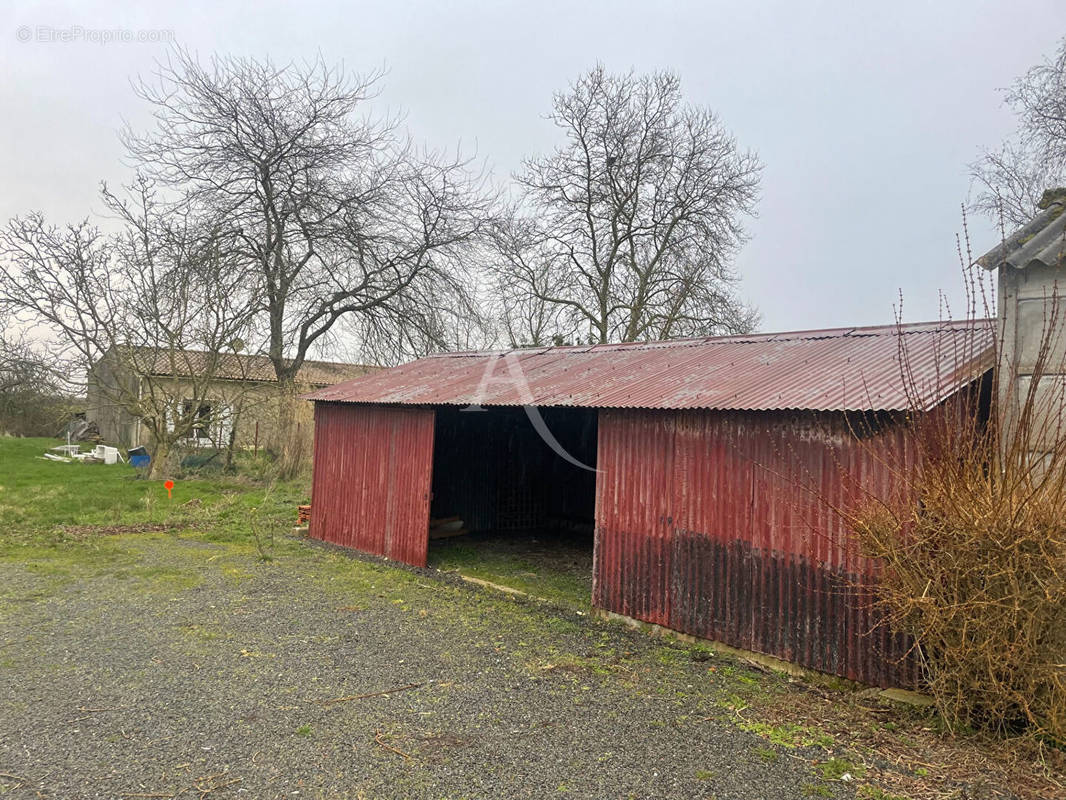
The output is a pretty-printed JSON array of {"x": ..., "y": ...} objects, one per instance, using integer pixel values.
[{"x": 708, "y": 469}]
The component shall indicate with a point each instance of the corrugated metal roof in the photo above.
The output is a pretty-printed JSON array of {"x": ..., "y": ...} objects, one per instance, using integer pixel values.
[
  {"x": 843, "y": 369},
  {"x": 1042, "y": 241}
]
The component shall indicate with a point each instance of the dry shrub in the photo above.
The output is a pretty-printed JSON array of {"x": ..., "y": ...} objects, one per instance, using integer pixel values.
[
  {"x": 975, "y": 571},
  {"x": 973, "y": 550},
  {"x": 293, "y": 437}
]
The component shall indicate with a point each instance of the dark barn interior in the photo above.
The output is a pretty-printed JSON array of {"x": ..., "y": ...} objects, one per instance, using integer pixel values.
[{"x": 494, "y": 472}]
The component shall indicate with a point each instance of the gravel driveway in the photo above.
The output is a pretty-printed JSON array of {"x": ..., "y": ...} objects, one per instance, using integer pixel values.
[{"x": 166, "y": 666}]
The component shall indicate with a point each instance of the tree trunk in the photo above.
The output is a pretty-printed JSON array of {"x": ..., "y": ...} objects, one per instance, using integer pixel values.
[
  {"x": 231, "y": 443},
  {"x": 157, "y": 467}
]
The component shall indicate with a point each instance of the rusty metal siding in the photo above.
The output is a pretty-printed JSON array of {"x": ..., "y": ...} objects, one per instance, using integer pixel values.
[
  {"x": 632, "y": 516},
  {"x": 720, "y": 524},
  {"x": 371, "y": 479}
]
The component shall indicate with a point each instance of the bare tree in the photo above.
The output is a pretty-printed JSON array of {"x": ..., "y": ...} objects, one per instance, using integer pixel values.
[
  {"x": 35, "y": 396},
  {"x": 528, "y": 316},
  {"x": 526, "y": 320},
  {"x": 628, "y": 229},
  {"x": 1011, "y": 180},
  {"x": 428, "y": 317},
  {"x": 159, "y": 296},
  {"x": 338, "y": 214}
]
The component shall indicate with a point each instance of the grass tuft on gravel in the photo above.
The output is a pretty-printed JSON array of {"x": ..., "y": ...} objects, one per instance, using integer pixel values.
[{"x": 152, "y": 637}]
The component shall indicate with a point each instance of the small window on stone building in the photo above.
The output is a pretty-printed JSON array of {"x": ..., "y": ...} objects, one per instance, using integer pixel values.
[{"x": 201, "y": 430}]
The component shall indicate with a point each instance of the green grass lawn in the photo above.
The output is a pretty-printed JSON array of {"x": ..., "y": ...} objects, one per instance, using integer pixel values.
[
  {"x": 540, "y": 563},
  {"x": 45, "y": 503},
  {"x": 70, "y": 531}
]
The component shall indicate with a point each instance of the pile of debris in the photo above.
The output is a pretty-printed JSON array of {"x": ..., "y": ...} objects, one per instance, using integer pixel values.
[
  {"x": 71, "y": 453},
  {"x": 303, "y": 515},
  {"x": 80, "y": 429}
]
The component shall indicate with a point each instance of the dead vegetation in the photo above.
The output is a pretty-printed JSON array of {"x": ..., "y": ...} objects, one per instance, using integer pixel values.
[
  {"x": 87, "y": 531},
  {"x": 975, "y": 571},
  {"x": 906, "y": 753},
  {"x": 973, "y": 548}
]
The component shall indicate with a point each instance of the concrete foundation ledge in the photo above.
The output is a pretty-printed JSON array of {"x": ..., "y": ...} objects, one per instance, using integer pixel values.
[
  {"x": 765, "y": 661},
  {"x": 761, "y": 660}
]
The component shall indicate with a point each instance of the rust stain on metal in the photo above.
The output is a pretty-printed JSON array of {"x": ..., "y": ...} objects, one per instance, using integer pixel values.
[
  {"x": 841, "y": 369},
  {"x": 720, "y": 525}
]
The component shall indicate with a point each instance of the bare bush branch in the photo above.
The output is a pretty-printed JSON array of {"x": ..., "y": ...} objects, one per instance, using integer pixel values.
[{"x": 972, "y": 547}]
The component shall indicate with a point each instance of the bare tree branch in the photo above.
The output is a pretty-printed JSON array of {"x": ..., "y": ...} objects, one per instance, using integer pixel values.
[
  {"x": 36, "y": 394},
  {"x": 1010, "y": 181},
  {"x": 628, "y": 229},
  {"x": 338, "y": 214},
  {"x": 161, "y": 297}
]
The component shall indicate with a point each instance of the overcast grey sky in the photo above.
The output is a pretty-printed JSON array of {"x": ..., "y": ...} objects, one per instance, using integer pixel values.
[{"x": 865, "y": 115}]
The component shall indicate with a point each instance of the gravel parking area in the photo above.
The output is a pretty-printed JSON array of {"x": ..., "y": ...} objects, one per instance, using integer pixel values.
[{"x": 173, "y": 666}]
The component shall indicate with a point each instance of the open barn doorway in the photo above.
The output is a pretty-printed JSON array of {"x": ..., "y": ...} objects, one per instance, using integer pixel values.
[{"x": 507, "y": 508}]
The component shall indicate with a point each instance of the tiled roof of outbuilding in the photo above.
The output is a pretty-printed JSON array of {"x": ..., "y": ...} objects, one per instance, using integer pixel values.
[{"x": 239, "y": 367}]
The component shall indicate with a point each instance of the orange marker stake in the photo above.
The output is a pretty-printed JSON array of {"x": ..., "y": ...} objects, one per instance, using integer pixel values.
[{"x": 169, "y": 486}]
